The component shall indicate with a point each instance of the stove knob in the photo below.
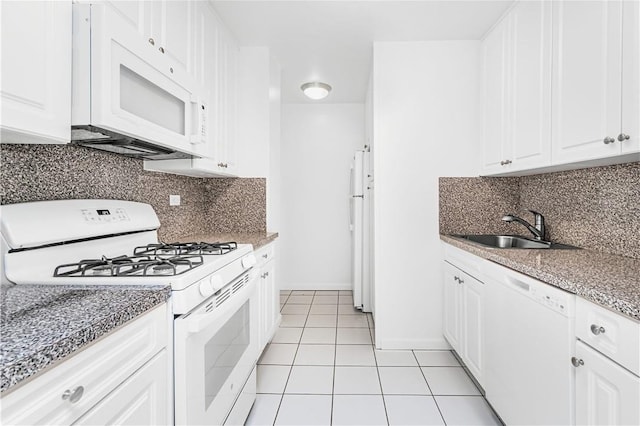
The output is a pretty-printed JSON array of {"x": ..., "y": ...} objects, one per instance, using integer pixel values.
[
  {"x": 215, "y": 282},
  {"x": 206, "y": 289},
  {"x": 248, "y": 261}
]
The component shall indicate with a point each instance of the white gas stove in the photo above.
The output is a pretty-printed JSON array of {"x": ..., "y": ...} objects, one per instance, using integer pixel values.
[
  {"x": 112, "y": 242},
  {"x": 213, "y": 298}
]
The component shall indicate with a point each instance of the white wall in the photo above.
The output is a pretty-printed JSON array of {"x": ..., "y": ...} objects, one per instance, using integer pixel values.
[
  {"x": 317, "y": 144},
  {"x": 426, "y": 125}
]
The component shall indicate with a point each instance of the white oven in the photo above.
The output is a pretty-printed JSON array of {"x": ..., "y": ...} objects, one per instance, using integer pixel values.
[{"x": 215, "y": 352}]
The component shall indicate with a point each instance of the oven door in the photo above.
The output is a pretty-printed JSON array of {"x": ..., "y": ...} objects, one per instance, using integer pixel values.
[{"x": 215, "y": 351}]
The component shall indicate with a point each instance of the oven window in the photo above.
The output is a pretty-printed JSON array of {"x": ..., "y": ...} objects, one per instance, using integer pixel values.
[{"x": 224, "y": 350}]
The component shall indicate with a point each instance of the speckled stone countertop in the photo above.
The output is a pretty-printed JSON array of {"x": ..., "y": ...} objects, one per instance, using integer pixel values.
[
  {"x": 609, "y": 280},
  {"x": 257, "y": 239},
  {"x": 40, "y": 325}
]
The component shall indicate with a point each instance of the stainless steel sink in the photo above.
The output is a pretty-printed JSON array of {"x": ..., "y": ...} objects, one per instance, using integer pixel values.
[{"x": 512, "y": 241}]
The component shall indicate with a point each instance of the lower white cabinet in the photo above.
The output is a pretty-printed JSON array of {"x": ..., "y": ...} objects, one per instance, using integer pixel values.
[
  {"x": 269, "y": 295},
  {"x": 121, "y": 379},
  {"x": 463, "y": 317},
  {"x": 464, "y": 308},
  {"x": 606, "y": 393},
  {"x": 140, "y": 400}
]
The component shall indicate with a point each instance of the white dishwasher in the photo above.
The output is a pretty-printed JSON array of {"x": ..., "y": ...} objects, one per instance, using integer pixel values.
[{"x": 530, "y": 338}]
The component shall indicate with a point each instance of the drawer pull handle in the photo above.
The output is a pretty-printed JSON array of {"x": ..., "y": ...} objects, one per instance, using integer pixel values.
[
  {"x": 576, "y": 361},
  {"x": 596, "y": 329},
  {"x": 265, "y": 255},
  {"x": 73, "y": 395}
]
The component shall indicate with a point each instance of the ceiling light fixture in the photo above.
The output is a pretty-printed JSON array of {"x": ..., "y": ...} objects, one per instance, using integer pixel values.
[{"x": 315, "y": 90}]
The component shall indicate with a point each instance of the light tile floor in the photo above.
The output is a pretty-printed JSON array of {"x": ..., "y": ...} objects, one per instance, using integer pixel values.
[{"x": 322, "y": 368}]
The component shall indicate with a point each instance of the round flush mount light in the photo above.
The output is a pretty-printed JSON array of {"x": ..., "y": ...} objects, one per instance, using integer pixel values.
[{"x": 315, "y": 90}]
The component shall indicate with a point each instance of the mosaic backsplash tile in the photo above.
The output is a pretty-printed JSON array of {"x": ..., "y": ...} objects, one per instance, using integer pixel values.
[
  {"x": 597, "y": 208},
  {"x": 54, "y": 172}
]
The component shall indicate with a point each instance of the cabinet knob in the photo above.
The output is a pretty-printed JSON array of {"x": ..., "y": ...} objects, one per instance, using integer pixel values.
[
  {"x": 597, "y": 329},
  {"x": 152, "y": 42},
  {"x": 623, "y": 137},
  {"x": 265, "y": 255},
  {"x": 171, "y": 70},
  {"x": 576, "y": 361},
  {"x": 161, "y": 49},
  {"x": 73, "y": 395},
  {"x": 505, "y": 162},
  {"x": 608, "y": 140}
]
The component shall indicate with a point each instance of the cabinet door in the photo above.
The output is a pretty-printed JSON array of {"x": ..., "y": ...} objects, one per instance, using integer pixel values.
[
  {"x": 529, "y": 92},
  {"x": 586, "y": 80},
  {"x": 35, "y": 88},
  {"x": 606, "y": 394},
  {"x": 134, "y": 12},
  {"x": 273, "y": 296},
  {"x": 452, "y": 295},
  {"x": 631, "y": 77},
  {"x": 141, "y": 400},
  {"x": 171, "y": 25},
  {"x": 494, "y": 101},
  {"x": 227, "y": 56},
  {"x": 473, "y": 325}
]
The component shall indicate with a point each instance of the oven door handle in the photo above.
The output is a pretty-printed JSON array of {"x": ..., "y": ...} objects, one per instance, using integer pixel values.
[{"x": 200, "y": 322}]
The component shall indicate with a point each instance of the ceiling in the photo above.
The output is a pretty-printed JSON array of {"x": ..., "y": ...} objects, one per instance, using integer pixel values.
[{"x": 331, "y": 41}]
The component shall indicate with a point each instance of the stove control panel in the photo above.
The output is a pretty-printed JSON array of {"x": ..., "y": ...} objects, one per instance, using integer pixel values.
[{"x": 105, "y": 215}]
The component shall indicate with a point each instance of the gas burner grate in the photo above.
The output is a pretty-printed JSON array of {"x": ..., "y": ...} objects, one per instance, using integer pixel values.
[
  {"x": 176, "y": 249},
  {"x": 139, "y": 265}
]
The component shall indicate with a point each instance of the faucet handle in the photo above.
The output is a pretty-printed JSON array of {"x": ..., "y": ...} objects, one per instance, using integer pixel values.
[{"x": 536, "y": 214}]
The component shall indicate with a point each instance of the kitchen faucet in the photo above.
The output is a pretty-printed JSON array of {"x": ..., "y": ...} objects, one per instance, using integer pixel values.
[{"x": 537, "y": 230}]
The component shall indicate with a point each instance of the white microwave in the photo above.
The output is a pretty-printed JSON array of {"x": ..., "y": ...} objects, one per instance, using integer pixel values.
[{"x": 127, "y": 98}]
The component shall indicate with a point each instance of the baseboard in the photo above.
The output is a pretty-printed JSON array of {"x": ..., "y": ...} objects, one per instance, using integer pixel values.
[
  {"x": 416, "y": 344},
  {"x": 316, "y": 286}
]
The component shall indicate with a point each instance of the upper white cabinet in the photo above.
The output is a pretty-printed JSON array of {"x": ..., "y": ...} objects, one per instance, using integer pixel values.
[
  {"x": 630, "y": 78},
  {"x": 561, "y": 87},
  {"x": 517, "y": 90},
  {"x": 587, "y": 73},
  {"x": 36, "y": 71},
  {"x": 494, "y": 109},
  {"x": 213, "y": 67},
  {"x": 171, "y": 28}
]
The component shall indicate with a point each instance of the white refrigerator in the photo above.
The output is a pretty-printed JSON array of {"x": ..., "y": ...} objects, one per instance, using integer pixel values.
[{"x": 359, "y": 203}]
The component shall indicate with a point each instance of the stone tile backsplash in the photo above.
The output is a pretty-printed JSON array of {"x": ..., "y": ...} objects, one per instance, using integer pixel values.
[
  {"x": 596, "y": 208},
  {"x": 54, "y": 172}
]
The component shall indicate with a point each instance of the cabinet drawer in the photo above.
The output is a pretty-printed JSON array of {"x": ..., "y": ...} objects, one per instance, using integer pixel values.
[
  {"x": 265, "y": 253},
  {"x": 463, "y": 260},
  {"x": 612, "y": 334},
  {"x": 98, "y": 369}
]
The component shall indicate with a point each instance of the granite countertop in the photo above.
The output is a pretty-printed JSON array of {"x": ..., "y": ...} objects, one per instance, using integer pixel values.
[
  {"x": 608, "y": 280},
  {"x": 40, "y": 325},
  {"x": 257, "y": 239}
]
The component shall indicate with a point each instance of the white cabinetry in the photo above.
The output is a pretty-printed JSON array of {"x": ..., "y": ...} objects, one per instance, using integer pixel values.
[
  {"x": 561, "y": 87},
  {"x": 35, "y": 87},
  {"x": 212, "y": 66},
  {"x": 269, "y": 295},
  {"x": 121, "y": 379},
  {"x": 171, "y": 28},
  {"x": 517, "y": 90},
  {"x": 607, "y": 364},
  {"x": 586, "y": 81},
  {"x": 464, "y": 310},
  {"x": 630, "y": 78},
  {"x": 606, "y": 393}
]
